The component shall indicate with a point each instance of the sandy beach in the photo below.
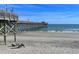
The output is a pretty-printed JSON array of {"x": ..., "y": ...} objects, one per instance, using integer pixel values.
[{"x": 43, "y": 43}]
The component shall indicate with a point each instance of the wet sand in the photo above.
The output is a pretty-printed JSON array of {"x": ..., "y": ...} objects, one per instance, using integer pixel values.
[{"x": 43, "y": 43}]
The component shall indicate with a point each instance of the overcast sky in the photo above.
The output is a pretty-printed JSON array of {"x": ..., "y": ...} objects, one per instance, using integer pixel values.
[{"x": 51, "y": 13}]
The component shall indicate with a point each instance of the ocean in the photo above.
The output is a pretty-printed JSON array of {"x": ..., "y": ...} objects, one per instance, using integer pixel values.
[
  {"x": 58, "y": 27},
  {"x": 62, "y": 27}
]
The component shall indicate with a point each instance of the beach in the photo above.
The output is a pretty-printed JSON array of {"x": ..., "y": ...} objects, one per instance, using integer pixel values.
[{"x": 42, "y": 43}]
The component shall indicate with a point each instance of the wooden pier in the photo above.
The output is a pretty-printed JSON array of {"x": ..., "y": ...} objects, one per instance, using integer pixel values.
[
  {"x": 8, "y": 22},
  {"x": 30, "y": 26}
]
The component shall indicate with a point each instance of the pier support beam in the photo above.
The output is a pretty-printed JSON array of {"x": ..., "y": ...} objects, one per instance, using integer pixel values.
[
  {"x": 5, "y": 39},
  {"x": 8, "y": 27},
  {"x": 4, "y": 32},
  {"x": 15, "y": 32}
]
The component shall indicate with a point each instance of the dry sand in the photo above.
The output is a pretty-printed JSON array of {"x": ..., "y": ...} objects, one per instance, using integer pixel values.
[{"x": 43, "y": 43}]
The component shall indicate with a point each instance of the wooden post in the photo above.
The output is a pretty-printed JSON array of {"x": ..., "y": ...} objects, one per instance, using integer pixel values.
[
  {"x": 5, "y": 26},
  {"x": 4, "y": 31},
  {"x": 14, "y": 31}
]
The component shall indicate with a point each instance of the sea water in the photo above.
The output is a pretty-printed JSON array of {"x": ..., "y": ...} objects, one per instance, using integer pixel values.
[
  {"x": 56, "y": 28},
  {"x": 62, "y": 27}
]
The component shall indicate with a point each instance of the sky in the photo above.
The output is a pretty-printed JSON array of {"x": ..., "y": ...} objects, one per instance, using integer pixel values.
[{"x": 51, "y": 13}]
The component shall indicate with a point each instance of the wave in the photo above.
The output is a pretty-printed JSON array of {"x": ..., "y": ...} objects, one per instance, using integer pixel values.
[{"x": 65, "y": 30}]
